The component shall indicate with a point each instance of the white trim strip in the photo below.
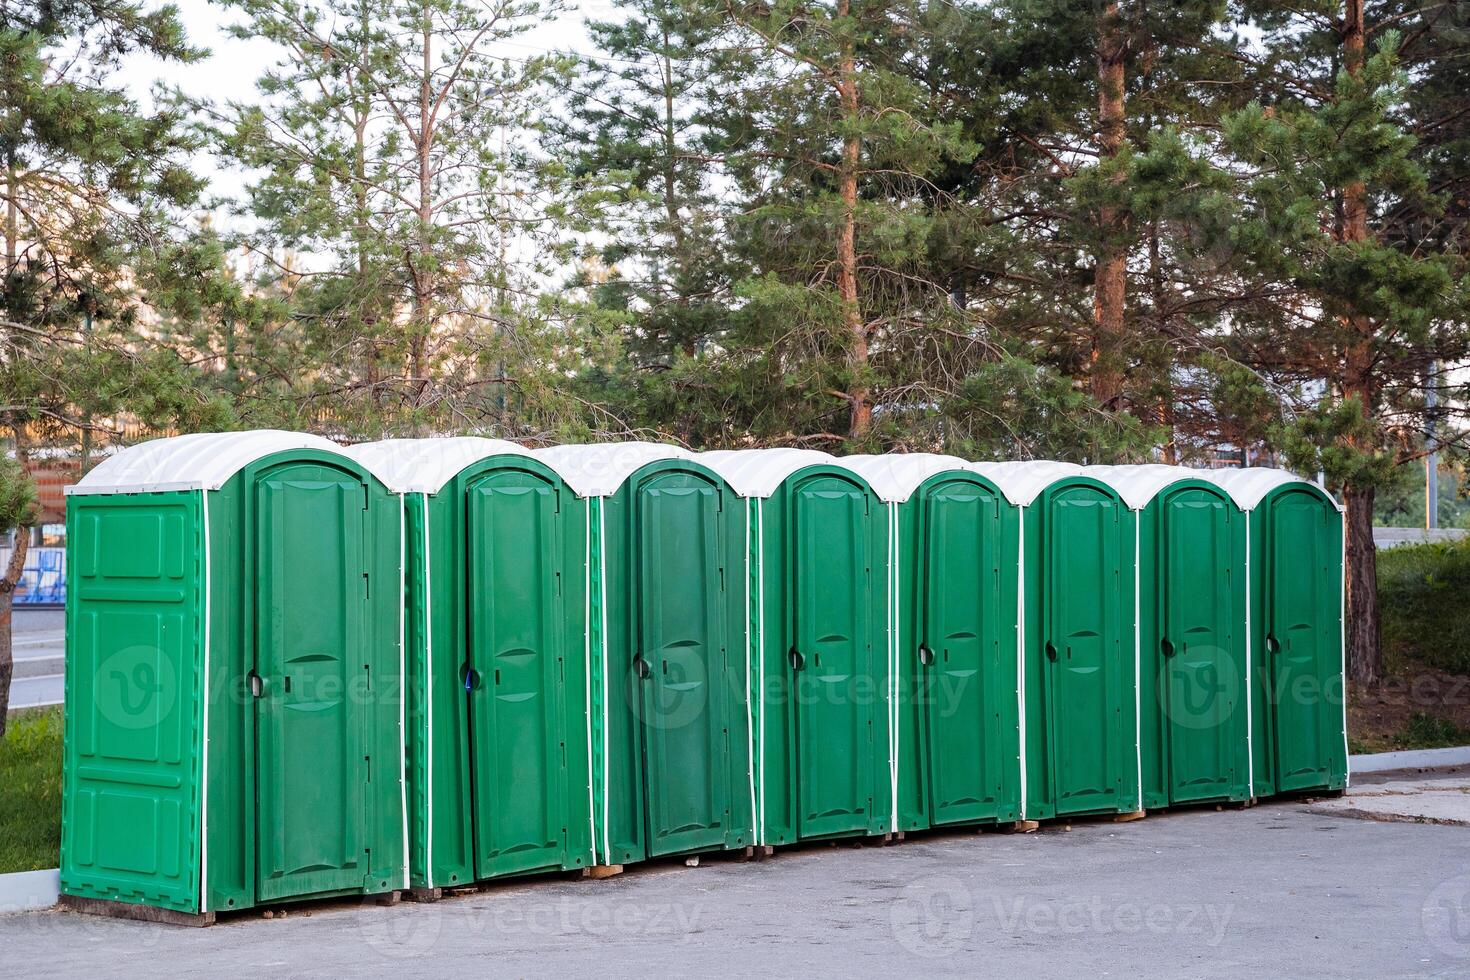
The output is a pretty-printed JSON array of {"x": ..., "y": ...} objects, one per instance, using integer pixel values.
[
  {"x": 428, "y": 703},
  {"x": 204, "y": 724},
  {"x": 403, "y": 678},
  {"x": 1342, "y": 630},
  {"x": 1137, "y": 660},
  {"x": 1250, "y": 764},
  {"x": 749, "y": 727},
  {"x": 1021, "y": 649},
  {"x": 893, "y": 628},
  {"x": 606, "y": 742},
  {"x": 760, "y": 651},
  {"x": 587, "y": 675}
]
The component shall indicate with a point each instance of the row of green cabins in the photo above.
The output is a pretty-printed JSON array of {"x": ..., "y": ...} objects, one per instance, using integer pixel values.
[{"x": 297, "y": 671}]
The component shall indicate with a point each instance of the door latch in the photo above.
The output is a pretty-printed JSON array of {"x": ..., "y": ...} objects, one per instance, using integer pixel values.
[
  {"x": 926, "y": 655},
  {"x": 640, "y": 667},
  {"x": 1167, "y": 646},
  {"x": 471, "y": 678},
  {"x": 798, "y": 662},
  {"x": 1051, "y": 650},
  {"x": 1272, "y": 644},
  {"x": 257, "y": 685}
]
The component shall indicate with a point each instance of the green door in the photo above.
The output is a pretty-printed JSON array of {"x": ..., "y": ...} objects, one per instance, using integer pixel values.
[
  {"x": 1200, "y": 674},
  {"x": 831, "y": 656},
  {"x": 514, "y": 651},
  {"x": 310, "y": 620},
  {"x": 1084, "y": 629},
  {"x": 1303, "y": 638},
  {"x": 681, "y": 660},
  {"x": 961, "y": 652}
]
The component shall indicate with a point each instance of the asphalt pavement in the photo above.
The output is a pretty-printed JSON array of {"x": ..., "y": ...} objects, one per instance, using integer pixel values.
[{"x": 1279, "y": 890}]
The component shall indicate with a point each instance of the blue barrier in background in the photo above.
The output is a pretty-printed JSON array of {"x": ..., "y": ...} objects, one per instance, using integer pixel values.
[{"x": 43, "y": 581}]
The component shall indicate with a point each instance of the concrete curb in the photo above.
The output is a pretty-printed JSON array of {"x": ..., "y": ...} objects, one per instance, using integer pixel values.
[
  {"x": 29, "y": 890},
  {"x": 1419, "y": 759}
]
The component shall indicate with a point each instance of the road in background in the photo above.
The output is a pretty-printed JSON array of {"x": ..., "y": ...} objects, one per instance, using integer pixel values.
[{"x": 39, "y": 643}]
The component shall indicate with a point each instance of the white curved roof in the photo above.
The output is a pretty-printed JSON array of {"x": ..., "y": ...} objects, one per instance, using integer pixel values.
[
  {"x": 599, "y": 469},
  {"x": 1138, "y": 485},
  {"x": 425, "y": 465},
  {"x": 759, "y": 472},
  {"x": 1022, "y": 481},
  {"x": 895, "y": 476},
  {"x": 1248, "y": 486},
  {"x": 202, "y": 461}
]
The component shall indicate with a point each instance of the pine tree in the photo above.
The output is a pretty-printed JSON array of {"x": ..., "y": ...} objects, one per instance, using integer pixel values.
[
  {"x": 1096, "y": 124},
  {"x": 395, "y": 140},
  {"x": 95, "y": 193},
  {"x": 1356, "y": 310},
  {"x": 830, "y": 142},
  {"x": 640, "y": 143}
]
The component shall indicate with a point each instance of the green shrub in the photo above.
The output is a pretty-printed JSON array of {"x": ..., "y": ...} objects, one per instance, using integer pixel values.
[
  {"x": 1424, "y": 602},
  {"x": 1426, "y": 731}
]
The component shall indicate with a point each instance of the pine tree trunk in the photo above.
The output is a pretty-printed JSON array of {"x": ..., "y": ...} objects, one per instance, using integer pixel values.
[
  {"x": 418, "y": 339},
  {"x": 860, "y": 398},
  {"x": 362, "y": 116},
  {"x": 688, "y": 343},
  {"x": 12, "y": 211},
  {"x": 1164, "y": 416},
  {"x": 13, "y": 570},
  {"x": 1364, "y": 655},
  {"x": 1110, "y": 275}
]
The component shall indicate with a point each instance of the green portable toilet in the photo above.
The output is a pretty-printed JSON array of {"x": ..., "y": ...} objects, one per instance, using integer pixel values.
[
  {"x": 1194, "y": 673},
  {"x": 495, "y": 586},
  {"x": 819, "y": 611},
  {"x": 953, "y": 549},
  {"x": 669, "y": 683},
  {"x": 234, "y": 729},
  {"x": 1295, "y": 626},
  {"x": 1079, "y": 676}
]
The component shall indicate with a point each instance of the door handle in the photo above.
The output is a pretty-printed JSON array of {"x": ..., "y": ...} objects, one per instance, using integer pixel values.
[
  {"x": 1167, "y": 647},
  {"x": 257, "y": 685},
  {"x": 471, "y": 678},
  {"x": 1051, "y": 650},
  {"x": 798, "y": 662},
  {"x": 640, "y": 667},
  {"x": 1272, "y": 645},
  {"x": 926, "y": 655}
]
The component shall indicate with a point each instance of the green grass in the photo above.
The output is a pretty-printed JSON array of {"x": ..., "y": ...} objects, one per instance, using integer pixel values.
[
  {"x": 30, "y": 791},
  {"x": 1426, "y": 731},
  {"x": 1423, "y": 598}
]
